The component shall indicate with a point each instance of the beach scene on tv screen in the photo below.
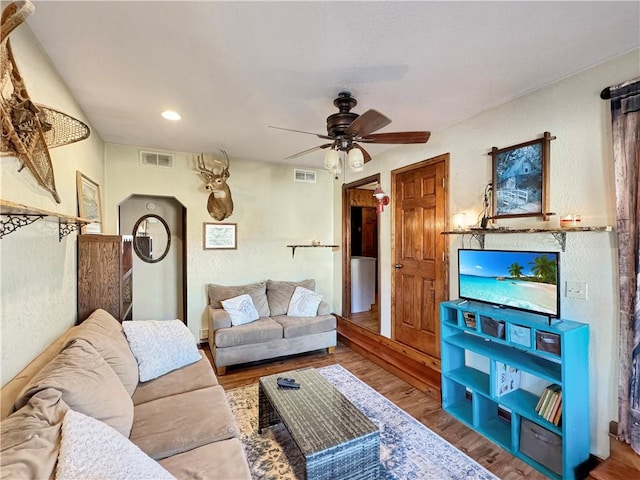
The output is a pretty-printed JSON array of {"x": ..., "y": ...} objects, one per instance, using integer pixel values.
[{"x": 525, "y": 280}]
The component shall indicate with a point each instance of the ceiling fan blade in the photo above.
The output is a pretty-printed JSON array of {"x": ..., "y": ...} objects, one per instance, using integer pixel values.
[
  {"x": 397, "y": 137},
  {"x": 299, "y": 154},
  {"x": 368, "y": 122},
  {"x": 365, "y": 154},
  {"x": 300, "y": 131}
]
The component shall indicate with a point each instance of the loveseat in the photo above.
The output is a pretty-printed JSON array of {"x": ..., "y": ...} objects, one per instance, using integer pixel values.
[
  {"x": 82, "y": 398},
  {"x": 276, "y": 332}
]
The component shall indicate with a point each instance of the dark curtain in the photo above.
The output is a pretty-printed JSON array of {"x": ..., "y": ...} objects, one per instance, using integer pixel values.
[{"x": 625, "y": 119}]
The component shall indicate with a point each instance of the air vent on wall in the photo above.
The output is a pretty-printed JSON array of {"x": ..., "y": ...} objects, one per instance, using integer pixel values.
[
  {"x": 306, "y": 176},
  {"x": 156, "y": 159}
]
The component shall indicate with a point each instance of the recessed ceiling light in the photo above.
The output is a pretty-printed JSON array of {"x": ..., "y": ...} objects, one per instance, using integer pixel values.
[{"x": 171, "y": 115}]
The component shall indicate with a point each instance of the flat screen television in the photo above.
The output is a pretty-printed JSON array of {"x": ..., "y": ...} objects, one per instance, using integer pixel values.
[{"x": 528, "y": 281}]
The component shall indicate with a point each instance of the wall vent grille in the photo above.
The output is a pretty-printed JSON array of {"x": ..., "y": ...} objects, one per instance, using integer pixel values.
[
  {"x": 156, "y": 159},
  {"x": 306, "y": 176}
]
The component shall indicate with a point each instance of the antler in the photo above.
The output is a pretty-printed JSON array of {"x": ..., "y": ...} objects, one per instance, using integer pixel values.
[
  {"x": 225, "y": 164},
  {"x": 201, "y": 165}
]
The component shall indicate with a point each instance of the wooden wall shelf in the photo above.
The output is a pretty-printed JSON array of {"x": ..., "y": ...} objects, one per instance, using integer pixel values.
[
  {"x": 560, "y": 234},
  {"x": 15, "y": 215},
  {"x": 293, "y": 247}
]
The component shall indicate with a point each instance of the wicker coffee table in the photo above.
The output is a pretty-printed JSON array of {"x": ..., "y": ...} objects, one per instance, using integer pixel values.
[{"x": 335, "y": 438}]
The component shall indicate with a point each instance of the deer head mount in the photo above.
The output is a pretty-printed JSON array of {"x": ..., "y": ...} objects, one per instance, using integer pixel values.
[{"x": 220, "y": 203}]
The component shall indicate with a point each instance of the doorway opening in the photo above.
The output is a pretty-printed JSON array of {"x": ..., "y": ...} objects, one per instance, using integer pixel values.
[
  {"x": 159, "y": 275},
  {"x": 360, "y": 268}
]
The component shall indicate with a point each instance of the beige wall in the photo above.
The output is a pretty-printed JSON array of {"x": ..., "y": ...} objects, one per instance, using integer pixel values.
[
  {"x": 582, "y": 181},
  {"x": 270, "y": 209},
  {"x": 38, "y": 273}
]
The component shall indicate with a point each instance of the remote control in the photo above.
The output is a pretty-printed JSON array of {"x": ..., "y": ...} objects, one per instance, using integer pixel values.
[{"x": 287, "y": 383}]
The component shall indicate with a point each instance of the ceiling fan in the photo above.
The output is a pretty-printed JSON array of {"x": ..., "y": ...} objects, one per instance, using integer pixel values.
[{"x": 347, "y": 130}]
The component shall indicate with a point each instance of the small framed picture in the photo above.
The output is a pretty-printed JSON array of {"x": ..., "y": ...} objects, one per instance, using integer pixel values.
[
  {"x": 89, "y": 203},
  {"x": 520, "y": 179},
  {"x": 220, "y": 236}
]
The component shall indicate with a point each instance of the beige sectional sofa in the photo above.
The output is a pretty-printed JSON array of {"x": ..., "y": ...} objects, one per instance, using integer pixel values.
[
  {"x": 181, "y": 419},
  {"x": 275, "y": 333}
]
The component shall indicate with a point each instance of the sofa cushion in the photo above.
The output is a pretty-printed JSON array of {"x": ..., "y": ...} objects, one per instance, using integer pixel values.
[
  {"x": 92, "y": 449},
  {"x": 160, "y": 346},
  {"x": 240, "y": 309},
  {"x": 218, "y": 319},
  {"x": 304, "y": 303},
  {"x": 262, "y": 330},
  {"x": 302, "y": 326},
  {"x": 186, "y": 379},
  {"x": 279, "y": 294},
  {"x": 257, "y": 291},
  {"x": 88, "y": 385},
  {"x": 104, "y": 333},
  {"x": 222, "y": 460},
  {"x": 30, "y": 437},
  {"x": 171, "y": 425}
]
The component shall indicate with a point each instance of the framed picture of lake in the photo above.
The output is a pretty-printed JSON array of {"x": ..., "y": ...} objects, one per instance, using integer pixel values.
[
  {"x": 521, "y": 179},
  {"x": 89, "y": 203},
  {"x": 220, "y": 236}
]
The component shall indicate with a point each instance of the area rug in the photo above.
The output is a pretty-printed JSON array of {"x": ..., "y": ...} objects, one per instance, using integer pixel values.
[{"x": 408, "y": 449}]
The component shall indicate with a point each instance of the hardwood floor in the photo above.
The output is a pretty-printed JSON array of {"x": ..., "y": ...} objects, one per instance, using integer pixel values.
[{"x": 411, "y": 400}]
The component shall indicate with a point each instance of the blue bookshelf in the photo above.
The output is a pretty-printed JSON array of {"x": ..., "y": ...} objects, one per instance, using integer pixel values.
[{"x": 555, "y": 353}]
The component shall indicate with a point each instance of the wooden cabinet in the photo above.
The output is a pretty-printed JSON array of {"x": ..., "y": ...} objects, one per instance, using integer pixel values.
[
  {"x": 472, "y": 385},
  {"x": 105, "y": 280}
]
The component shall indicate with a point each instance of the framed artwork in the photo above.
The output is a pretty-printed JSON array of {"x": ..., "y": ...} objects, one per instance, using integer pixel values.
[
  {"x": 220, "y": 236},
  {"x": 89, "y": 203},
  {"x": 521, "y": 179}
]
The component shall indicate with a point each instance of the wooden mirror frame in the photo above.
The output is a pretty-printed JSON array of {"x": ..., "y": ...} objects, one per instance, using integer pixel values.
[{"x": 140, "y": 254}]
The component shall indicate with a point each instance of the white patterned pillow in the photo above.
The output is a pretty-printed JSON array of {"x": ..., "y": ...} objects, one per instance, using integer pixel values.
[
  {"x": 160, "y": 346},
  {"x": 241, "y": 309},
  {"x": 304, "y": 303},
  {"x": 92, "y": 449}
]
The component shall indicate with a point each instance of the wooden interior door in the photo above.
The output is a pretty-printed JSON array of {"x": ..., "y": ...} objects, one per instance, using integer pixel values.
[
  {"x": 369, "y": 232},
  {"x": 419, "y": 255}
]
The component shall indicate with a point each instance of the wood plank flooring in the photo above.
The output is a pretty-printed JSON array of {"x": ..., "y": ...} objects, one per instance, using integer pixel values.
[{"x": 411, "y": 400}]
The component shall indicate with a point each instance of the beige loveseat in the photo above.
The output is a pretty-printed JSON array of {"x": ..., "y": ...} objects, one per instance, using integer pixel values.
[
  {"x": 181, "y": 419},
  {"x": 275, "y": 333}
]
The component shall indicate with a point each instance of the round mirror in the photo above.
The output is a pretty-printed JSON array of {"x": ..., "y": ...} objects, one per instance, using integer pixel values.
[{"x": 151, "y": 238}]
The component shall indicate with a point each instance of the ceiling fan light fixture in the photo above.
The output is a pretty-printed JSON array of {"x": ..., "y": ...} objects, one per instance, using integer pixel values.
[
  {"x": 332, "y": 160},
  {"x": 356, "y": 160}
]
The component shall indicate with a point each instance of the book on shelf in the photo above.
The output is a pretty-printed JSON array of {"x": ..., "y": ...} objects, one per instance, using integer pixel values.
[
  {"x": 507, "y": 379},
  {"x": 558, "y": 413},
  {"x": 542, "y": 399},
  {"x": 549, "y": 402},
  {"x": 553, "y": 404}
]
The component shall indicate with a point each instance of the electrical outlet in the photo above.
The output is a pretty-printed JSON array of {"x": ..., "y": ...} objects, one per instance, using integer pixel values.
[{"x": 577, "y": 290}]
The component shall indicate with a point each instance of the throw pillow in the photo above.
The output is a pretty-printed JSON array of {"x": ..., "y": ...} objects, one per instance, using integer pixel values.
[
  {"x": 30, "y": 437},
  {"x": 160, "y": 346},
  {"x": 258, "y": 292},
  {"x": 241, "y": 309},
  {"x": 304, "y": 303},
  {"x": 87, "y": 383},
  {"x": 279, "y": 294},
  {"x": 92, "y": 449}
]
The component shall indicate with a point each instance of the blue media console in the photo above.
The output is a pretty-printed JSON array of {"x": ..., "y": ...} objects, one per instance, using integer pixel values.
[{"x": 473, "y": 334}]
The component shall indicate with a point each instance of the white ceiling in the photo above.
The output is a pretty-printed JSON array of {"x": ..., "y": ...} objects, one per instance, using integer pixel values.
[{"x": 231, "y": 68}]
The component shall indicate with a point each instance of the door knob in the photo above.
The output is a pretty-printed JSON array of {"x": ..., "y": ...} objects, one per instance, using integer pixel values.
[{"x": 398, "y": 265}]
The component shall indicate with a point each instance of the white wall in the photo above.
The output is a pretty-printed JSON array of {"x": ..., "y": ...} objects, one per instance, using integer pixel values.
[
  {"x": 582, "y": 181},
  {"x": 38, "y": 273},
  {"x": 270, "y": 209}
]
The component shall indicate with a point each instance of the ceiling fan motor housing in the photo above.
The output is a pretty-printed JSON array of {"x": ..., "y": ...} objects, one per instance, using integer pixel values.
[{"x": 339, "y": 122}]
